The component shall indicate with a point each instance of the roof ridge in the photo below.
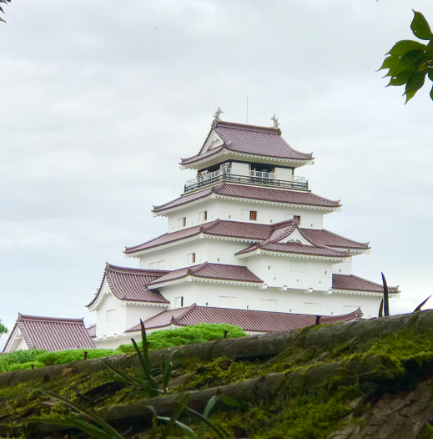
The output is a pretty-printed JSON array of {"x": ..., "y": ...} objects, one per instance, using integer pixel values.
[
  {"x": 24, "y": 317},
  {"x": 242, "y": 126},
  {"x": 131, "y": 270}
]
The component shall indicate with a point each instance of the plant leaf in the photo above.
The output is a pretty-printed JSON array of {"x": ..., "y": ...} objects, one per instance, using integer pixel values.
[
  {"x": 416, "y": 81},
  {"x": 166, "y": 376},
  {"x": 93, "y": 416},
  {"x": 407, "y": 60},
  {"x": 420, "y": 26},
  {"x": 180, "y": 407},
  {"x": 221, "y": 433},
  {"x": 431, "y": 93},
  {"x": 400, "y": 79},
  {"x": 381, "y": 309},
  {"x": 418, "y": 308},
  {"x": 232, "y": 402},
  {"x": 402, "y": 47},
  {"x": 188, "y": 431},
  {"x": 125, "y": 377},
  {"x": 385, "y": 293}
]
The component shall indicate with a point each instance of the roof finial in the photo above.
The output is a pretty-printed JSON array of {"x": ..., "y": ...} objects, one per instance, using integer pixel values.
[
  {"x": 275, "y": 119},
  {"x": 218, "y": 113}
]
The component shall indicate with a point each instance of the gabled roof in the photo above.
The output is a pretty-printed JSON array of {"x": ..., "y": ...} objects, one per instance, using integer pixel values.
[
  {"x": 250, "y": 232},
  {"x": 236, "y": 191},
  {"x": 248, "y": 320},
  {"x": 130, "y": 284},
  {"x": 236, "y": 273},
  {"x": 350, "y": 282},
  {"x": 51, "y": 333},
  {"x": 307, "y": 247},
  {"x": 248, "y": 139}
]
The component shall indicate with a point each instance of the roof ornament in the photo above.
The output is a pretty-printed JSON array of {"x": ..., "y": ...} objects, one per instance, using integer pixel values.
[
  {"x": 275, "y": 119},
  {"x": 217, "y": 114}
]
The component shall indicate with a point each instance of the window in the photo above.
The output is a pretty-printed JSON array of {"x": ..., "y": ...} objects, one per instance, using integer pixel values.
[
  {"x": 182, "y": 222},
  {"x": 297, "y": 217},
  {"x": 300, "y": 267},
  {"x": 191, "y": 258},
  {"x": 253, "y": 215},
  {"x": 178, "y": 302},
  {"x": 111, "y": 315},
  {"x": 203, "y": 216}
]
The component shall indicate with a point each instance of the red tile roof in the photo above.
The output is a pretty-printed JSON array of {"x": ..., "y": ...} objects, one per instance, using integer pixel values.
[
  {"x": 51, "y": 333},
  {"x": 252, "y": 232},
  {"x": 248, "y": 320},
  {"x": 252, "y": 193},
  {"x": 130, "y": 284},
  {"x": 249, "y": 139},
  {"x": 351, "y": 282},
  {"x": 210, "y": 271},
  {"x": 296, "y": 248},
  {"x": 330, "y": 239}
]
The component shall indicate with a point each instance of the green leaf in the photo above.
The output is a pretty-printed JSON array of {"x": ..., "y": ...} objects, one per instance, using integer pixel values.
[
  {"x": 416, "y": 81},
  {"x": 385, "y": 285},
  {"x": 418, "y": 308},
  {"x": 420, "y": 26},
  {"x": 233, "y": 402},
  {"x": 431, "y": 93},
  {"x": 407, "y": 60},
  {"x": 93, "y": 416},
  {"x": 188, "y": 431},
  {"x": 400, "y": 79},
  {"x": 220, "y": 431},
  {"x": 390, "y": 63},
  {"x": 180, "y": 407},
  {"x": 402, "y": 47},
  {"x": 430, "y": 75},
  {"x": 409, "y": 96},
  {"x": 123, "y": 376},
  {"x": 166, "y": 376}
]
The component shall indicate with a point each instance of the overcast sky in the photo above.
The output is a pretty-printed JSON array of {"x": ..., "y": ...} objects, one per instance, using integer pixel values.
[{"x": 100, "y": 99}]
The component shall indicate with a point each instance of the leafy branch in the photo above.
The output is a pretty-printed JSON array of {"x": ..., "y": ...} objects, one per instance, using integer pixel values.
[
  {"x": 410, "y": 62},
  {"x": 1, "y": 9}
]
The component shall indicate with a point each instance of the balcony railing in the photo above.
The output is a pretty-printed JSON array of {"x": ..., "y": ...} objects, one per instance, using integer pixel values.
[{"x": 254, "y": 177}]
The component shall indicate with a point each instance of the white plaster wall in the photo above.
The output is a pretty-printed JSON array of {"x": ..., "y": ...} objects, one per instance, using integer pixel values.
[
  {"x": 136, "y": 312},
  {"x": 343, "y": 267},
  {"x": 253, "y": 298},
  {"x": 106, "y": 327},
  {"x": 21, "y": 346},
  {"x": 113, "y": 342},
  {"x": 192, "y": 214},
  {"x": 278, "y": 271},
  {"x": 205, "y": 249},
  {"x": 232, "y": 210}
]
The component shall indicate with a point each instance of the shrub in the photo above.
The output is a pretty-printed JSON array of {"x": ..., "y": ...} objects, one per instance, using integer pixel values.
[
  {"x": 35, "y": 364},
  {"x": 20, "y": 357},
  {"x": 200, "y": 333},
  {"x": 4, "y": 365},
  {"x": 62, "y": 357}
]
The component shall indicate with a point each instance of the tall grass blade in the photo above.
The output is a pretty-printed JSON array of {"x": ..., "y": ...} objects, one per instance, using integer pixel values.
[
  {"x": 93, "y": 416},
  {"x": 125, "y": 377},
  {"x": 147, "y": 373},
  {"x": 188, "y": 431},
  {"x": 385, "y": 297},
  {"x": 381, "y": 309},
  {"x": 180, "y": 407},
  {"x": 232, "y": 402},
  {"x": 418, "y": 308},
  {"x": 220, "y": 431},
  {"x": 166, "y": 376}
]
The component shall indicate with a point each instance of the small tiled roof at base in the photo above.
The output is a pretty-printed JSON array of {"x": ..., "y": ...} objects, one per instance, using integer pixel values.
[
  {"x": 249, "y": 231},
  {"x": 248, "y": 320},
  {"x": 92, "y": 331},
  {"x": 351, "y": 282},
  {"x": 130, "y": 284},
  {"x": 249, "y": 139},
  {"x": 52, "y": 334},
  {"x": 207, "y": 270},
  {"x": 253, "y": 193}
]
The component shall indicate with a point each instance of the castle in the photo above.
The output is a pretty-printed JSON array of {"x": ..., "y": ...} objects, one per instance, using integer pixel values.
[{"x": 245, "y": 245}]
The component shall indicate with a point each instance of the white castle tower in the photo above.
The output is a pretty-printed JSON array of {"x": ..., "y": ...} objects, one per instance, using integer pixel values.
[{"x": 245, "y": 245}]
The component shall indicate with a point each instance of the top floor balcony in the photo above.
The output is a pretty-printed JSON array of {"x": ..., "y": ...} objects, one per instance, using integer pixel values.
[{"x": 258, "y": 178}]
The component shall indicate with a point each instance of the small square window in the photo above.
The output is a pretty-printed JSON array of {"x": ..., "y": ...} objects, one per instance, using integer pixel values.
[
  {"x": 191, "y": 258},
  {"x": 182, "y": 222},
  {"x": 253, "y": 215}
]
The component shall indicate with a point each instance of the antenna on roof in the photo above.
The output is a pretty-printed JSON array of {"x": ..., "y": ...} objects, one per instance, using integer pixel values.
[{"x": 247, "y": 108}]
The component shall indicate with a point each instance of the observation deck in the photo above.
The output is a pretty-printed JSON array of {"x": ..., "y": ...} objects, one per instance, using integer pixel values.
[{"x": 258, "y": 178}]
